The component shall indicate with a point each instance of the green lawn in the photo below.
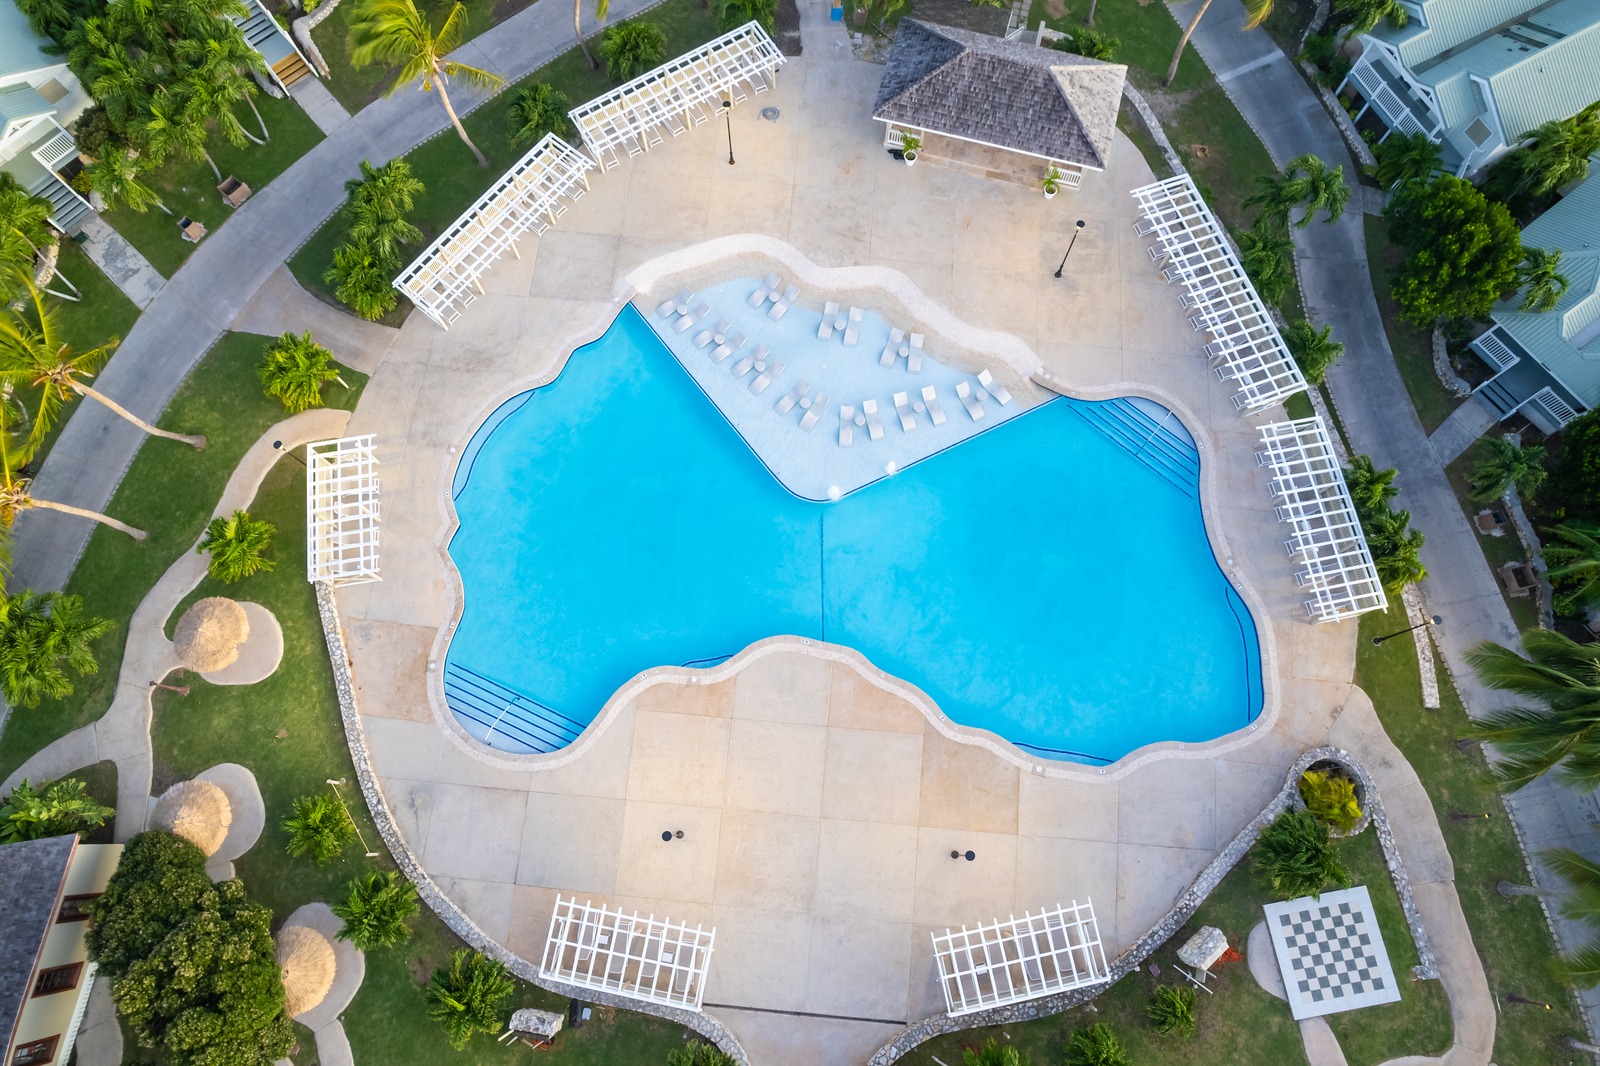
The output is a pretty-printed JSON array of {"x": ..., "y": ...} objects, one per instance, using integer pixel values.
[
  {"x": 1412, "y": 347},
  {"x": 1497, "y": 551},
  {"x": 1511, "y": 935},
  {"x": 1147, "y": 37},
  {"x": 169, "y": 490},
  {"x": 190, "y": 188}
]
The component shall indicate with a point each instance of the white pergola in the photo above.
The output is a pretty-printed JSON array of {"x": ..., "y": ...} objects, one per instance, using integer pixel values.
[
  {"x": 446, "y": 277},
  {"x": 1019, "y": 958},
  {"x": 342, "y": 516},
  {"x": 1245, "y": 344},
  {"x": 680, "y": 93},
  {"x": 607, "y": 950},
  {"x": 1312, "y": 497}
]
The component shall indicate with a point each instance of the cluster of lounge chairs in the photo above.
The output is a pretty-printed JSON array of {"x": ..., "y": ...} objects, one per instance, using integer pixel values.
[
  {"x": 769, "y": 293},
  {"x": 836, "y": 321}
]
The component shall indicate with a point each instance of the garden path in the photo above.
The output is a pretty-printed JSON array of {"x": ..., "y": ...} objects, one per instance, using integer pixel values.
[{"x": 129, "y": 270}]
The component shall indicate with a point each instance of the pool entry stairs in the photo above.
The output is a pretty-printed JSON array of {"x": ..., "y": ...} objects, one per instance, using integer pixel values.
[
  {"x": 506, "y": 718},
  {"x": 1161, "y": 444}
]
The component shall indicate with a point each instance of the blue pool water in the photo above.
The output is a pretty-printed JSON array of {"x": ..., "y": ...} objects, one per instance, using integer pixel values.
[{"x": 1049, "y": 579}]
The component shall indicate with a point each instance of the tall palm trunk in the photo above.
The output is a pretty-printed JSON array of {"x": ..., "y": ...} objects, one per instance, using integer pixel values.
[
  {"x": 444, "y": 98},
  {"x": 1183, "y": 42},
  {"x": 84, "y": 512},
  {"x": 577, "y": 29},
  {"x": 1089, "y": 20},
  {"x": 218, "y": 173},
  {"x": 261, "y": 121},
  {"x": 163, "y": 206},
  {"x": 1511, "y": 888},
  {"x": 196, "y": 442}
]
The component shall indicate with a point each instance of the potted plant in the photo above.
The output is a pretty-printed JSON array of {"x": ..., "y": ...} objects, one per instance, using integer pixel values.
[
  {"x": 910, "y": 144},
  {"x": 1333, "y": 796},
  {"x": 1051, "y": 183}
]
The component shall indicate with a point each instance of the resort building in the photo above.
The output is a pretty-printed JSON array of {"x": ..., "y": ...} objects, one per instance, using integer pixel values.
[
  {"x": 39, "y": 97},
  {"x": 998, "y": 108},
  {"x": 1476, "y": 76},
  {"x": 45, "y": 972},
  {"x": 263, "y": 33},
  {"x": 1547, "y": 364}
]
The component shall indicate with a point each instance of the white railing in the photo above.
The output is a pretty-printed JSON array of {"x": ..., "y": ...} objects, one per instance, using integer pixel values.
[
  {"x": 1495, "y": 351},
  {"x": 1554, "y": 405},
  {"x": 58, "y": 147}
]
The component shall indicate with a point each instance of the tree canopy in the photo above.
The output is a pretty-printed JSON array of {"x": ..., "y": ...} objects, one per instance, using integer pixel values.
[
  {"x": 1462, "y": 250},
  {"x": 44, "y": 640}
]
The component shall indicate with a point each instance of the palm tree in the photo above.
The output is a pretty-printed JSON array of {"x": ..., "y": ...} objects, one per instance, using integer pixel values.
[
  {"x": 222, "y": 57},
  {"x": 1505, "y": 466},
  {"x": 1264, "y": 254},
  {"x": 1405, "y": 157},
  {"x": 1295, "y": 856},
  {"x": 1088, "y": 20},
  {"x": 1255, "y": 12},
  {"x": 469, "y": 996},
  {"x": 33, "y": 352},
  {"x": 601, "y": 8},
  {"x": 43, "y": 635},
  {"x": 631, "y": 48},
  {"x": 1558, "y": 731},
  {"x": 535, "y": 111},
  {"x": 318, "y": 828},
  {"x": 1574, "y": 565},
  {"x": 394, "y": 32},
  {"x": 169, "y": 126},
  {"x": 295, "y": 370},
  {"x": 376, "y": 909},
  {"x": 992, "y": 1054},
  {"x": 1396, "y": 549},
  {"x": 122, "y": 84},
  {"x": 117, "y": 176},
  {"x": 378, "y": 204},
  {"x": 1319, "y": 188},
  {"x": 24, "y": 228},
  {"x": 1095, "y": 1046},
  {"x": 16, "y": 496},
  {"x": 1371, "y": 489},
  {"x": 1315, "y": 350},
  {"x": 236, "y": 544},
  {"x": 1540, "y": 276},
  {"x": 360, "y": 280},
  {"x": 1581, "y": 903},
  {"x": 1366, "y": 14},
  {"x": 1560, "y": 153}
]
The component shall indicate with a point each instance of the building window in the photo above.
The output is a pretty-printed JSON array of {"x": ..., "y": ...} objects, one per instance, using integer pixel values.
[
  {"x": 53, "y": 91},
  {"x": 73, "y": 908},
  {"x": 57, "y": 979},
  {"x": 36, "y": 1053}
]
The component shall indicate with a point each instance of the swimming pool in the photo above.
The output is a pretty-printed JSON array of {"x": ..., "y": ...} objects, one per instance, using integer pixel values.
[{"x": 1049, "y": 579}]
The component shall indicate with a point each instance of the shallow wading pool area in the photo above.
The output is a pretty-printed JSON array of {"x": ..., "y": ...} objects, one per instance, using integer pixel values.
[{"x": 1047, "y": 578}]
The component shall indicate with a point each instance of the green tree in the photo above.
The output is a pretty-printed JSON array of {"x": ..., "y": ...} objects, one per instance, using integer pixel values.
[
  {"x": 376, "y": 910},
  {"x": 1559, "y": 154},
  {"x": 1506, "y": 466},
  {"x": 318, "y": 828},
  {"x": 1556, "y": 728},
  {"x": 1088, "y": 42},
  {"x": 1371, "y": 489},
  {"x": 695, "y": 1053},
  {"x": 1095, "y": 1046},
  {"x": 24, "y": 230},
  {"x": 1330, "y": 798},
  {"x": 1295, "y": 856},
  {"x": 1171, "y": 1011},
  {"x": 219, "y": 56},
  {"x": 294, "y": 370},
  {"x": 1306, "y": 182},
  {"x": 1315, "y": 350},
  {"x": 992, "y": 1054},
  {"x": 1255, "y": 13},
  {"x": 1580, "y": 903},
  {"x": 731, "y": 14},
  {"x": 1462, "y": 250},
  {"x": 601, "y": 8},
  {"x": 1264, "y": 253},
  {"x": 539, "y": 109},
  {"x": 118, "y": 176},
  {"x": 394, "y": 32},
  {"x": 235, "y": 545},
  {"x": 53, "y": 809},
  {"x": 632, "y": 48},
  {"x": 1406, "y": 157},
  {"x": 1364, "y": 15},
  {"x": 45, "y": 640},
  {"x": 360, "y": 277},
  {"x": 1573, "y": 556},
  {"x": 1539, "y": 275},
  {"x": 159, "y": 882},
  {"x": 1396, "y": 549},
  {"x": 175, "y": 125},
  {"x": 1576, "y": 479},
  {"x": 377, "y": 205},
  {"x": 469, "y": 996}
]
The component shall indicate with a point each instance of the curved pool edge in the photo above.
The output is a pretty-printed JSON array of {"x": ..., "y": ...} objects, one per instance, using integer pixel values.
[{"x": 852, "y": 280}]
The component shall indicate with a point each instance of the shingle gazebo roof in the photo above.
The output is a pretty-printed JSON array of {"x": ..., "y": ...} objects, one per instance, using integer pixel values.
[{"x": 1007, "y": 94}]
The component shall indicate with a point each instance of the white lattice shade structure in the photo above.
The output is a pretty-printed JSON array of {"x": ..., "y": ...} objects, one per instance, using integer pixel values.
[
  {"x": 1312, "y": 498},
  {"x": 1245, "y": 344},
  {"x": 607, "y": 950},
  {"x": 533, "y": 194},
  {"x": 1019, "y": 959},
  {"x": 342, "y": 514},
  {"x": 678, "y": 94}
]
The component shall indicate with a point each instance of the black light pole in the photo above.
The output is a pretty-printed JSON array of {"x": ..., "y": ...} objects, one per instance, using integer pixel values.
[
  {"x": 278, "y": 446},
  {"x": 1433, "y": 621},
  {"x": 1077, "y": 229},
  {"x": 727, "y": 113}
]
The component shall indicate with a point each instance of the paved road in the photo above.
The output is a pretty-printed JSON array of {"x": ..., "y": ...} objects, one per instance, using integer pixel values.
[{"x": 200, "y": 301}]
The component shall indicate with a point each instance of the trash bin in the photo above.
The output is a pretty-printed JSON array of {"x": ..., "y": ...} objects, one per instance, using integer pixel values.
[{"x": 838, "y": 13}]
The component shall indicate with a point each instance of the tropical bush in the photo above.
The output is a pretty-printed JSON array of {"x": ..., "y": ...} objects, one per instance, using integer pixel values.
[
  {"x": 731, "y": 14},
  {"x": 376, "y": 909},
  {"x": 631, "y": 48},
  {"x": 695, "y": 1053},
  {"x": 360, "y": 279},
  {"x": 45, "y": 640},
  {"x": 1331, "y": 799},
  {"x": 376, "y": 206},
  {"x": 1315, "y": 350},
  {"x": 294, "y": 369},
  {"x": 1396, "y": 547},
  {"x": 1264, "y": 252},
  {"x": 1295, "y": 857},
  {"x": 53, "y": 809},
  {"x": 469, "y": 996},
  {"x": 1095, "y": 1046},
  {"x": 1407, "y": 157},
  {"x": 539, "y": 109},
  {"x": 1171, "y": 1011},
  {"x": 1506, "y": 466},
  {"x": 318, "y": 828},
  {"x": 1462, "y": 250},
  {"x": 1084, "y": 41},
  {"x": 992, "y": 1054},
  {"x": 236, "y": 544}
]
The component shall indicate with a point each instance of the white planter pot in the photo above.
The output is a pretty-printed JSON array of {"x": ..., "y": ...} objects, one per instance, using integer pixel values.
[
  {"x": 1050, "y": 194},
  {"x": 910, "y": 158}
]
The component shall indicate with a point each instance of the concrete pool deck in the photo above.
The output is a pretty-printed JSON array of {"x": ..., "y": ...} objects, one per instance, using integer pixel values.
[{"x": 820, "y": 805}]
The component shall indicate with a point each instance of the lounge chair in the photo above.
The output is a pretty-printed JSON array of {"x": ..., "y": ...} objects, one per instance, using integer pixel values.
[
  {"x": 930, "y": 400},
  {"x": 999, "y": 392},
  {"x": 853, "y": 330},
  {"x": 703, "y": 338},
  {"x": 742, "y": 367},
  {"x": 914, "y": 357},
  {"x": 825, "y": 328},
  {"x": 764, "y": 292},
  {"x": 700, "y": 311},
  {"x": 678, "y": 305},
  {"x": 874, "y": 427},
  {"x": 892, "y": 350},
  {"x": 809, "y": 420},
  {"x": 763, "y": 379},
  {"x": 781, "y": 306},
  {"x": 734, "y": 342},
  {"x": 969, "y": 401},
  {"x": 847, "y": 425},
  {"x": 792, "y": 397},
  {"x": 902, "y": 407}
]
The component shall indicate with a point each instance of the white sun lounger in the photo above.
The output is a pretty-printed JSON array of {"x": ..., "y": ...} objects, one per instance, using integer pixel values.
[
  {"x": 969, "y": 401},
  {"x": 792, "y": 397},
  {"x": 853, "y": 330},
  {"x": 706, "y": 336},
  {"x": 677, "y": 305},
  {"x": 874, "y": 427},
  {"x": 764, "y": 293},
  {"x": 914, "y": 357},
  {"x": 701, "y": 310},
  {"x": 830, "y": 311},
  {"x": 819, "y": 404},
  {"x": 763, "y": 379},
  {"x": 847, "y": 425},
  {"x": 902, "y": 407},
  {"x": 930, "y": 400},
  {"x": 781, "y": 306},
  {"x": 742, "y": 367},
  {"x": 734, "y": 342},
  {"x": 999, "y": 392},
  {"x": 891, "y": 351}
]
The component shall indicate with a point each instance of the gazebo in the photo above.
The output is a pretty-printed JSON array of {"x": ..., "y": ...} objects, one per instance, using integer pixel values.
[
  {"x": 198, "y": 811},
  {"x": 208, "y": 636},
  {"x": 1006, "y": 109},
  {"x": 306, "y": 960}
]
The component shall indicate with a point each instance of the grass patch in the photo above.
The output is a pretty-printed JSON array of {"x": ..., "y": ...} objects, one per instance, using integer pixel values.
[
  {"x": 1148, "y": 36},
  {"x": 1412, "y": 347},
  {"x": 1133, "y": 127},
  {"x": 1515, "y": 945},
  {"x": 191, "y": 188},
  {"x": 1497, "y": 551},
  {"x": 169, "y": 490},
  {"x": 1299, "y": 406}
]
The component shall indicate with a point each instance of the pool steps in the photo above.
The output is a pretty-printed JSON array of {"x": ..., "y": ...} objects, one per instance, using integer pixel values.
[
  {"x": 1166, "y": 451},
  {"x": 513, "y": 718}
]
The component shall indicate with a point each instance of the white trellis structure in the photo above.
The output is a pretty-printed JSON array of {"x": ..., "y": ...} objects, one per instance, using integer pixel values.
[
  {"x": 1312, "y": 498},
  {"x": 680, "y": 93},
  {"x": 608, "y": 950},
  {"x": 447, "y": 276},
  {"x": 1019, "y": 959},
  {"x": 342, "y": 514},
  {"x": 1245, "y": 346}
]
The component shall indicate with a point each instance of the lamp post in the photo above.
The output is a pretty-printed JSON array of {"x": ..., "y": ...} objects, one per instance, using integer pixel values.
[
  {"x": 1431, "y": 621},
  {"x": 278, "y": 446},
  {"x": 727, "y": 113},
  {"x": 1076, "y": 229}
]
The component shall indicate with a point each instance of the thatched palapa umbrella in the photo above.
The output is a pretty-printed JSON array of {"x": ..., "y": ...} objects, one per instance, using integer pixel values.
[
  {"x": 306, "y": 959},
  {"x": 208, "y": 635},
  {"x": 198, "y": 811}
]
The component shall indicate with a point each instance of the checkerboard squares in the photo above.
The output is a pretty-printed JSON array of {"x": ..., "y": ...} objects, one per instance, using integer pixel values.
[{"x": 1331, "y": 953}]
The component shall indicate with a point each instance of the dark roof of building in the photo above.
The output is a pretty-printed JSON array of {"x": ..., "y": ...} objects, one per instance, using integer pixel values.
[
  {"x": 1005, "y": 93},
  {"x": 31, "y": 875}
]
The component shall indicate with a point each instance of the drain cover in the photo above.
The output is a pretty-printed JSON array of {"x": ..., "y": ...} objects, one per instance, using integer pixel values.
[{"x": 770, "y": 114}]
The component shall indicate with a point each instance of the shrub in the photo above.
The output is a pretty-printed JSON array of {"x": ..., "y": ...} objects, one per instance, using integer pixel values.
[
  {"x": 1172, "y": 1011},
  {"x": 631, "y": 48},
  {"x": 695, "y": 1053},
  {"x": 537, "y": 110},
  {"x": 51, "y": 810},
  {"x": 44, "y": 639},
  {"x": 318, "y": 828},
  {"x": 992, "y": 1054},
  {"x": 1095, "y": 1046},
  {"x": 469, "y": 996},
  {"x": 360, "y": 277},
  {"x": 1462, "y": 250},
  {"x": 236, "y": 544},
  {"x": 1315, "y": 350},
  {"x": 1264, "y": 252},
  {"x": 294, "y": 369},
  {"x": 1331, "y": 799},
  {"x": 376, "y": 909},
  {"x": 1086, "y": 42},
  {"x": 1295, "y": 857},
  {"x": 731, "y": 14}
]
